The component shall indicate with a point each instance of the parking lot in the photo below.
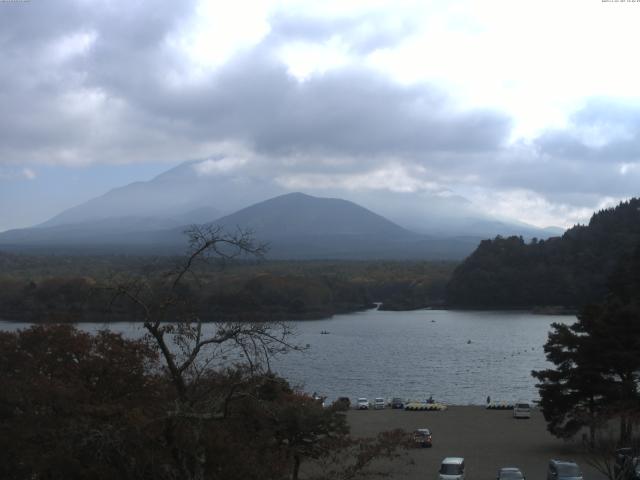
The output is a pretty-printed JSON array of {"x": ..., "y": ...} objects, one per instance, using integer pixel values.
[{"x": 487, "y": 439}]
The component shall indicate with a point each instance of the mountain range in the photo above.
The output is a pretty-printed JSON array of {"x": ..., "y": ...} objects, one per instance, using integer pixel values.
[{"x": 150, "y": 217}]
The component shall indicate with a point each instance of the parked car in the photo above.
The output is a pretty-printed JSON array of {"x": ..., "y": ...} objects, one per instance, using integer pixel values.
[
  {"x": 563, "y": 470},
  {"x": 397, "y": 402},
  {"x": 522, "y": 410},
  {"x": 510, "y": 473},
  {"x": 343, "y": 403},
  {"x": 451, "y": 468},
  {"x": 378, "y": 403},
  {"x": 363, "y": 403},
  {"x": 422, "y": 437}
]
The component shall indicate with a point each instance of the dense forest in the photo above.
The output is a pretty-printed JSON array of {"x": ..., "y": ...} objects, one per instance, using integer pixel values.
[
  {"x": 568, "y": 271},
  {"x": 72, "y": 288}
]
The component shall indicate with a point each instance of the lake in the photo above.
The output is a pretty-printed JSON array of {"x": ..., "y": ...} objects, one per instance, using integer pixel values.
[{"x": 459, "y": 357}]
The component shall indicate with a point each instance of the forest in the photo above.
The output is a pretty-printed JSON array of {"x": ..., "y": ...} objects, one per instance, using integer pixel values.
[
  {"x": 569, "y": 271},
  {"x": 73, "y": 288}
]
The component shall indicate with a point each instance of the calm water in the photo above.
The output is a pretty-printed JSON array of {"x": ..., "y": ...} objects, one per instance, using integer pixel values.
[{"x": 459, "y": 357}]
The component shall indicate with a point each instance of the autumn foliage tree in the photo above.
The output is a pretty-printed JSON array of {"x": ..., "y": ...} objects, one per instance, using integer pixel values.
[{"x": 74, "y": 405}]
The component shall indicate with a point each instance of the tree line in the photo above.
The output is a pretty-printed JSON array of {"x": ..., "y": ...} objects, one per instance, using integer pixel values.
[{"x": 41, "y": 289}]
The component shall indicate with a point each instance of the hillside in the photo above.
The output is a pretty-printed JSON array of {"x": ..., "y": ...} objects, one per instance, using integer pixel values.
[
  {"x": 200, "y": 191},
  {"x": 296, "y": 226},
  {"x": 569, "y": 271},
  {"x": 297, "y": 214},
  {"x": 185, "y": 194}
]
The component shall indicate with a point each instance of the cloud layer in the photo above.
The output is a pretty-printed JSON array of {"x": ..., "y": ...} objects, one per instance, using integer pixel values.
[{"x": 105, "y": 83}]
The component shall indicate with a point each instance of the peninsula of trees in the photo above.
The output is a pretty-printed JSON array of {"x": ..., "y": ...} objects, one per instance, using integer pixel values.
[{"x": 569, "y": 271}]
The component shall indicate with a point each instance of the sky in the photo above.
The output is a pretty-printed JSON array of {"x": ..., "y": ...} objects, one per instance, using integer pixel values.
[{"x": 529, "y": 109}]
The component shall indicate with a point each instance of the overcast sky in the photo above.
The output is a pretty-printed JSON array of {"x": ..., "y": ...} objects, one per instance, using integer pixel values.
[{"x": 530, "y": 109}]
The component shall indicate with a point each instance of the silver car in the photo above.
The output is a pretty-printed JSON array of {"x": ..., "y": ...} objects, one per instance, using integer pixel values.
[{"x": 510, "y": 473}]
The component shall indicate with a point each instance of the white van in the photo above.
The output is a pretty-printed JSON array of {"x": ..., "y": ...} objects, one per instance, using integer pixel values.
[
  {"x": 451, "y": 468},
  {"x": 522, "y": 410}
]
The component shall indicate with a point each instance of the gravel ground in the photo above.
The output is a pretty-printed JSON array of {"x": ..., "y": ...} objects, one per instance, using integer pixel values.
[{"x": 487, "y": 439}]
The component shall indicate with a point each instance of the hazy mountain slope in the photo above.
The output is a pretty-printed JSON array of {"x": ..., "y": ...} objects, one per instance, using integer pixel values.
[
  {"x": 440, "y": 215},
  {"x": 202, "y": 190},
  {"x": 297, "y": 214},
  {"x": 107, "y": 231},
  {"x": 299, "y": 226},
  {"x": 296, "y": 226},
  {"x": 151, "y": 216},
  {"x": 186, "y": 190}
]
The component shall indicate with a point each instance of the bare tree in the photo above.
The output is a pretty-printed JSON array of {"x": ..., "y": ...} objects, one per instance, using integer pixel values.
[
  {"x": 219, "y": 375},
  {"x": 190, "y": 348}
]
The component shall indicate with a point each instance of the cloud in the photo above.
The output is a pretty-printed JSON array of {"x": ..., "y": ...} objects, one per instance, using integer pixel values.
[
  {"x": 121, "y": 93},
  {"x": 535, "y": 208},
  {"x": 393, "y": 178},
  {"x": 218, "y": 166},
  {"x": 360, "y": 33},
  {"x": 604, "y": 129},
  {"x": 28, "y": 173},
  {"x": 105, "y": 83},
  {"x": 12, "y": 173}
]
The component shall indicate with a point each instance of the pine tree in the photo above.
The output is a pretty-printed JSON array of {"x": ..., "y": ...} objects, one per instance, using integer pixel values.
[{"x": 597, "y": 361}]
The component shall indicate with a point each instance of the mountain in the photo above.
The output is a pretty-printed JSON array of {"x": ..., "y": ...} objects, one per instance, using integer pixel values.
[
  {"x": 192, "y": 192},
  {"x": 199, "y": 191},
  {"x": 107, "y": 235},
  {"x": 297, "y": 214},
  {"x": 295, "y": 225},
  {"x": 150, "y": 216},
  {"x": 571, "y": 270},
  {"x": 299, "y": 226}
]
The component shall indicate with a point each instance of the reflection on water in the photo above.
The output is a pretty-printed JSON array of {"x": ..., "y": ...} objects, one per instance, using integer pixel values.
[{"x": 459, "y": 357}]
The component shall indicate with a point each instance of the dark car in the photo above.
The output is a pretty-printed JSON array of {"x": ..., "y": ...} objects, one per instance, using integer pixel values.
[
  {"x": 422, "y": 437},
  {"x": 343, "y": 403},
  {"x": 397, "y": 402},
  {"x": 510, "y": 473},
  {"x": 563, "y": 470},
  {"x": 627, "y": 466}
]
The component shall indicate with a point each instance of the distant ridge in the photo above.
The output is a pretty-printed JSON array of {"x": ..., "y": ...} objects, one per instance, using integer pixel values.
[
  {"x": 184, "y": 191},
  {"x": 296, "y": 226},
  {"x": 149, "y": 217}
]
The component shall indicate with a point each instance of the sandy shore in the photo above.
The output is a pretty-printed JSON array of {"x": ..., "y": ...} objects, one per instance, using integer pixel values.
[{"x": 487, "y": 439}]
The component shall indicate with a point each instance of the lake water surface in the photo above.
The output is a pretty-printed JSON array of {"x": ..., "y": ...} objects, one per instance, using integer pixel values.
[{"x": 459, "y": 357}]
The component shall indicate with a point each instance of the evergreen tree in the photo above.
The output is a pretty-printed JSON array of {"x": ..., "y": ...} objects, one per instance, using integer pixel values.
[{"x": 597, "y": 361}]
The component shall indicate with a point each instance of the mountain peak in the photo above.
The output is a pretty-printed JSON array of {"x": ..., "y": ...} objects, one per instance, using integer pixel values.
[{"x": 297, "y": 213}]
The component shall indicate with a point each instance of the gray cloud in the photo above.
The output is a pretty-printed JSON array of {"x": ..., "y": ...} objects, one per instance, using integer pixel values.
[
  {"x": 604, "y": 130},
  {"x": 128, "y": 98},
  {"x": 362, "y": 34},
  {"x": 598, "y": 153},
  {"x": 139, "y": 114}
]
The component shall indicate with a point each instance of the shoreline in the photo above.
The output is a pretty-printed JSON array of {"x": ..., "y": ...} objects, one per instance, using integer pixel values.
[{"x": 315, "y": 316}]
